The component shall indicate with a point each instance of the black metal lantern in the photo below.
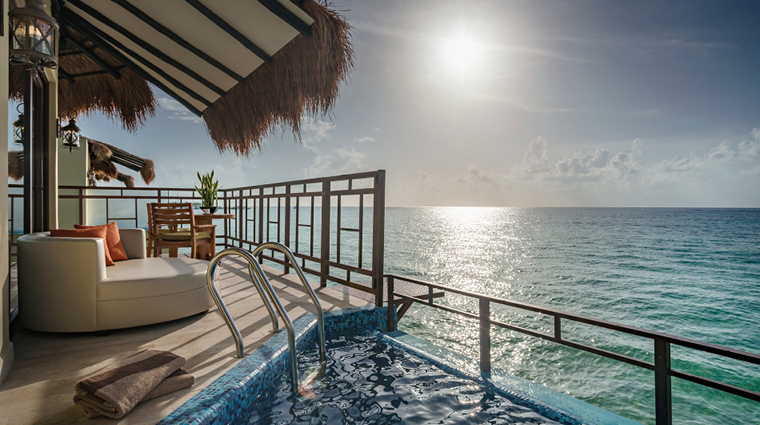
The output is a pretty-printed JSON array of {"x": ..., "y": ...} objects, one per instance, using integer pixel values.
[
  {"x": 69, "y": 132},
  {"x": 18, "y": 127},
  {"x": 33, "y": 36}
]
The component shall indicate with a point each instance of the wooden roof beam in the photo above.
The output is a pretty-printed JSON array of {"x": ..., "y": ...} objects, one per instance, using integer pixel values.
[
  {"x": 66, "y": 76},
  {"x": 237, "y": 35},
  {"x": 87, "y": 30},
  {"x": 95, "y": 58},
  {"x": 91, "y": 73},
  {"x": 289, "y": 17},
  {"x": 139, "y": 14},
  {"x": 149, "y": 48}
]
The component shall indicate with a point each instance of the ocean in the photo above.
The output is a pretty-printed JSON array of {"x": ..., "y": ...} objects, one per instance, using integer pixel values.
[{"x": 693, "y": 273}]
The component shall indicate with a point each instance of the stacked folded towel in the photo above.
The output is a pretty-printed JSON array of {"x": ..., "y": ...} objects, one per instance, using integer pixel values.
[{"x": 115, "y": 390}]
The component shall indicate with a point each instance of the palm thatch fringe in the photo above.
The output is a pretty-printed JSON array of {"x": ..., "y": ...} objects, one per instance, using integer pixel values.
[
  {"x": 104, "y": 170},
  {"x": 303, "y": 78},
  {"x": 102, "y": 164},
  {"x": 128, "y": 181},
  {"x": 148, "y": 171},
  {"x": 15, "y": 165},
  {"x": 128, "y": 99},
  {"x": 99, "y": 152}
]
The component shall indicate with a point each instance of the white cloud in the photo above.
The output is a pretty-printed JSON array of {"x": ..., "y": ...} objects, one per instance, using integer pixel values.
[
  {"x": 477, "y": 175},
  {"x": 365, "y": 139},
  {"x": 723, "y": 175},
  {"x": 315, "y": 130},
  {"x": 341, "y": 161},
  {"x": 178, "y": 112}
]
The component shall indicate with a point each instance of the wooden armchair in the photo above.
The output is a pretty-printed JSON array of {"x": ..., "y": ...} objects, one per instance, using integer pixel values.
[
  {"x": 167, "y": 229},
  {"x": 149, "y": 232}
]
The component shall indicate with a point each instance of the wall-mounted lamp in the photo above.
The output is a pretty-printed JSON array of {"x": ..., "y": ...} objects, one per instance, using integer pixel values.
[
  {"x": 33, "y": 36},
  {"x": 18, "y": 126},
  {"x": 69, "y": 132}
]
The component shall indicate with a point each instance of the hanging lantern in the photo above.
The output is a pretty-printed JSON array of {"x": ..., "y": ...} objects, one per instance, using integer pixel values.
[
  {"x": 69, "y": 132},
  {"x": 33, "y": 36},
  {"x": 18, "y": 127}
]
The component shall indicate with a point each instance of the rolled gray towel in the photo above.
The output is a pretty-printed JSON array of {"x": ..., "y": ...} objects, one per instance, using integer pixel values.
[{"x": 116, "y": 390}]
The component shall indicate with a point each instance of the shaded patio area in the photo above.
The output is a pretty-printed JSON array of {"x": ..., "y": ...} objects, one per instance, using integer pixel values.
[{"x": 40, "y": 387}]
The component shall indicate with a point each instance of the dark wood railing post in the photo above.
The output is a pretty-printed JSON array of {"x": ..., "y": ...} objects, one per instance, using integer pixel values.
[
  {"x": 378, "y": 236},
  {"x": 80, "y": 192},
  {"x": 261, "y": 222},
  {"x": 391, "y": 306},
  {"x": 662, "y": 396},
  {"x": 324, "y": 251},
  {"x": 287, "y": 225},
  {"x": 240, "y": 218},
  {"x": 484, "y": 308}
]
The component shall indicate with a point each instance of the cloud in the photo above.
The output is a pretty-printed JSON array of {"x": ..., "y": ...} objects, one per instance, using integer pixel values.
[
  {"x": 177, "y": 111},
  {"x": 724, "y": 175},
  {"x": 476, "y": 175},
  {"x": 315, "y": 130},
  {"x": 365, "y": 139},
  {"x": 341, "y": 161},
  {"x": 537, "y": 152}
]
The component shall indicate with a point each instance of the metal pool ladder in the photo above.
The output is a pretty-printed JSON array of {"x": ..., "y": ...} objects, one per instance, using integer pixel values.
[{"x": 266, "y": 292}]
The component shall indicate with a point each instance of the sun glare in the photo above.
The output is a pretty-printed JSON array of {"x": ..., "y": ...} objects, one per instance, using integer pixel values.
[{"x": 462, "y": 55}]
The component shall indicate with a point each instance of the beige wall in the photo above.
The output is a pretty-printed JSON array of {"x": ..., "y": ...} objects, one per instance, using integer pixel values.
[
  {"x": 53, "y": 147},
  {"x": 72, "y": 171},
  {"x": 6, "y": 347}
]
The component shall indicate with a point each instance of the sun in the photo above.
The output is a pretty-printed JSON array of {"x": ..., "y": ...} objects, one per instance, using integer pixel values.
[{"x": 462, "y": 55}]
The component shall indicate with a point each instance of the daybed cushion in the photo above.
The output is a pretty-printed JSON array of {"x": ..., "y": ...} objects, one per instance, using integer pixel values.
[
  {"x": 151, "y": 277},
  {"x": 113, "y": 240}
]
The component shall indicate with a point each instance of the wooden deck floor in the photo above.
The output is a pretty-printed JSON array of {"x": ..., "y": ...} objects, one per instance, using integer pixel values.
[{"x": 40, "y": 385}]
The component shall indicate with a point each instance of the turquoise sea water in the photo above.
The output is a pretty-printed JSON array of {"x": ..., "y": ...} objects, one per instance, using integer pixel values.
[
  {"x": 693, "y": 273},
  {"x": 689, "y": 272}
]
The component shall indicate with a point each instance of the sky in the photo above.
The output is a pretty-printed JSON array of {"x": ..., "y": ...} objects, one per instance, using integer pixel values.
[{"x": 515, "y": 103}]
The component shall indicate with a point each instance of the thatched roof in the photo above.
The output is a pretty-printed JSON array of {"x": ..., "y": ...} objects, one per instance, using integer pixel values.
[
  {"x": 301, "y": 78},
  {"x": 89, "y": 88},
  {"x": 103, "y": 160}
]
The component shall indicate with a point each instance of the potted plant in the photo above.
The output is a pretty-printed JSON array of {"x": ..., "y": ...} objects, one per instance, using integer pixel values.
[{"x": 208, "y": 192}]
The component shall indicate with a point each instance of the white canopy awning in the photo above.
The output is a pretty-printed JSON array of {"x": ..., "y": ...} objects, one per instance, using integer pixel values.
[{"x": 193, "y": 51}]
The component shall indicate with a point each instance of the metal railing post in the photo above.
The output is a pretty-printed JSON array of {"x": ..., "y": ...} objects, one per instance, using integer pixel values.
[
  {"x": 662, "y": 396},
  {"x": 378, "y": 236},
  {"x": 240, "y": 218},
  {"x": 287, "y": 224},
  {"x": 261, "y": 221},
  {"x": 324, "y": 251},
  {"x": 484, "y": 308},
  {"x": 391, "y": 306}
]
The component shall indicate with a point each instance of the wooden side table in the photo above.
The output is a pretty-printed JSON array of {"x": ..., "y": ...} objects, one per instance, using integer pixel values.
[{"x": 203, "y": 252}]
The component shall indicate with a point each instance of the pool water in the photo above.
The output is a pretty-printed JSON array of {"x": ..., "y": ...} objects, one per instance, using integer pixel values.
[{"x": 367, "y": 381}]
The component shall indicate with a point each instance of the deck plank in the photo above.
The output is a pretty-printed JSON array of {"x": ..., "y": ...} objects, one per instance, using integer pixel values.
[{"x": 40, "y": 385}]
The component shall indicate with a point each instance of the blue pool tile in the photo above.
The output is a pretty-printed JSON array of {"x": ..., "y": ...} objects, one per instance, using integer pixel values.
[{"x": 226, "y": 397}]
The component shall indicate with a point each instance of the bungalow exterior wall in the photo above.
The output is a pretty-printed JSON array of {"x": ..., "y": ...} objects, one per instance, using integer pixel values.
[{"x": 6, "y": 346}]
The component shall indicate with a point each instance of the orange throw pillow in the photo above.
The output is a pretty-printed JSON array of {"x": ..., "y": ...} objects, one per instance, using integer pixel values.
[
  {"x": 113, "y": 240},
  {"x": 85, "y": 233}
]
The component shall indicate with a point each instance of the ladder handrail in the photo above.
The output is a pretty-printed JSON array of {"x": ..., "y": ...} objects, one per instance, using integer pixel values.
[
  {"x": 263, "y": 286},
  {"x": 314, "y": 299},
  {"x": 257, "y": 283},
  {"x": 253, "y": 265}
]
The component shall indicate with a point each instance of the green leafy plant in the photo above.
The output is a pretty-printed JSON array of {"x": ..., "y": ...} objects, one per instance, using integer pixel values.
[{"x": 208, "y": 189}]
